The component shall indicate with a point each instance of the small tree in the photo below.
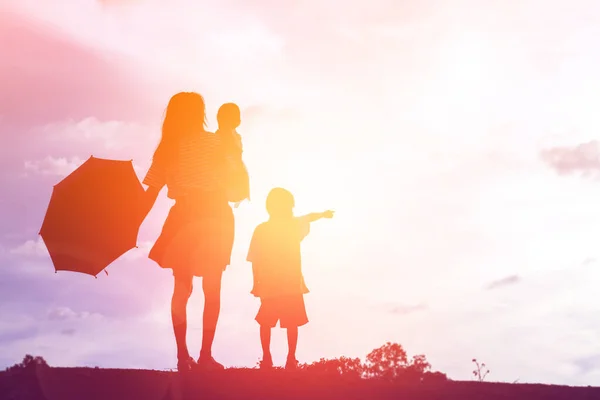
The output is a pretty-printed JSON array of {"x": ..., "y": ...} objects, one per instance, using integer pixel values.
[
  {"x": 387, "y": 362},
  {"x": 417, "y": 368},
  {"x": 419, "y": 364}
]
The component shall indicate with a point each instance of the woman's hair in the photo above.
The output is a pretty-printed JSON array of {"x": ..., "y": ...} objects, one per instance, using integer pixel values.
[
  {"x": 229, "y": 116},
  {"x": 280, "y": 202},
  {"x": 185, "y": 114}
]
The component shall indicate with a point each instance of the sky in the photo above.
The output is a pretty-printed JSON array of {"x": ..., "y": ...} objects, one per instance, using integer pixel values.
[{"x": 457, "y": 141}]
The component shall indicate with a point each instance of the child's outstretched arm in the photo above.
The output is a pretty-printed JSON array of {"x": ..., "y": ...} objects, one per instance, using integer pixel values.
[{"x": 312, "y": 217}]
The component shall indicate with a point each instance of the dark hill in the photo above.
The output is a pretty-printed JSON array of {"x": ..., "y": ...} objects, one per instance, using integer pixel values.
[{"x": 114, "y": 384}]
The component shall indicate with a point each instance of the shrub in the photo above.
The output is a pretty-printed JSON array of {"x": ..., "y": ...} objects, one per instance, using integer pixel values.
[
  {"x": 29, "y": 363},
  {"x": 388, "y": 362}
]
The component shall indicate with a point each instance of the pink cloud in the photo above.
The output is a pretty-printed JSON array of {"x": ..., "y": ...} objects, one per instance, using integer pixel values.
[
  {"x": 506, "y": 281},
  {"x": 117, "y": 2},
  {"x": 583, "y": 158}
]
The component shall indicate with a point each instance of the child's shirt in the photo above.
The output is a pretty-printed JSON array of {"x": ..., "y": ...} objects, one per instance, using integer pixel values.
[{"x": 276, "y": 257}]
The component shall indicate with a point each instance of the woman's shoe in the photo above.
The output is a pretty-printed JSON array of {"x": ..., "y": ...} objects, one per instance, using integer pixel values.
[
  {"x": 208, "y": 364},
  {"x": 186, "y": 364},
  {"x": 266, "y": 364},
  {"x": 291, "y": 364}
]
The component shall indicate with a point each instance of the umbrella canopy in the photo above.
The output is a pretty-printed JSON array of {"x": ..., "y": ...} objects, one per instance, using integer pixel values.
[{"x": 94, "y": 216}]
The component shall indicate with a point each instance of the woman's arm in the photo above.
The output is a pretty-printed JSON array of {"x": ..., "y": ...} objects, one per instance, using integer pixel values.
[{"x": 155, "y": 180}]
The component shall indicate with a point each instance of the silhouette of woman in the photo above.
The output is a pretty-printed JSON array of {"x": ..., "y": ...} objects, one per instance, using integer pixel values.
[{"x": 197, "y": 237}]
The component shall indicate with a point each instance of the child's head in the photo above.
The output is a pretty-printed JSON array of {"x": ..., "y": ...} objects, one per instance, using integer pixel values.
[
  {"x": 229, "y": 116},
  {"x": 280, "y": 203}
]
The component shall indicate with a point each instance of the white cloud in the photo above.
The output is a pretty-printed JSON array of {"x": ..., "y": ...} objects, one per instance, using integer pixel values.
[
  {"x": 112, "y": 135},
  {"x": 67, "y": 314},
  {"x": 59, "y": 166},
  {"x": 91, "y": 137},
  {"x": 31, "y": 248}
]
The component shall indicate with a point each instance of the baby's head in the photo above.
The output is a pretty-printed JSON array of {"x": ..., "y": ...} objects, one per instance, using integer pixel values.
[
  {"x": 229, "y": 116},
  {"x": 280, "y": 203}
]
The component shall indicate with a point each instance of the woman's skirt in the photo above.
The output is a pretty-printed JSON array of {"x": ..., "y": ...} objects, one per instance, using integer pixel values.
[{"x": 197, "y": 237}]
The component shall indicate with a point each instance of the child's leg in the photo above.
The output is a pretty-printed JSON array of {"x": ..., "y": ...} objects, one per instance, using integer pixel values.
[
  {"x": 295, "y": 316},
  {"x": 292, "y": 337},
  {"x": 265, "y": 341}
]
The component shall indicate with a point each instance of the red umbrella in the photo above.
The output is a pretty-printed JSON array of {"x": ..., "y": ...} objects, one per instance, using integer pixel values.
[{"x": 94, "y": 216}]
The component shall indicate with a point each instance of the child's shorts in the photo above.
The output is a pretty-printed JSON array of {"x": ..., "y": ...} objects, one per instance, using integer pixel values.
[{"x": 288, "y": 310}]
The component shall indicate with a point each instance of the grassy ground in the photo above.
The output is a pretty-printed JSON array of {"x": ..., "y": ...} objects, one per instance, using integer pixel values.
[{"x": 116, "y": 384}]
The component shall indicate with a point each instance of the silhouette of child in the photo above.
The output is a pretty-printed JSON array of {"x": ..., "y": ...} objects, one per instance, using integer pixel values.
[
  {"x": 277, "y": 272},
  {"x": 229, "y": 119}
]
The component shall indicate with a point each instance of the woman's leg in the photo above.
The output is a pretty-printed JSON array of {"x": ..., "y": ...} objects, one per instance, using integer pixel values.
[
  {"x": 211, "y": 285},
  {"x": 265, "y": 341},
  {"x": 181, "y": 294}
]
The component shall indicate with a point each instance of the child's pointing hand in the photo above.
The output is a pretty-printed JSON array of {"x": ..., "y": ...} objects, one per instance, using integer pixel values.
[{"x": 328, "y": 214}]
